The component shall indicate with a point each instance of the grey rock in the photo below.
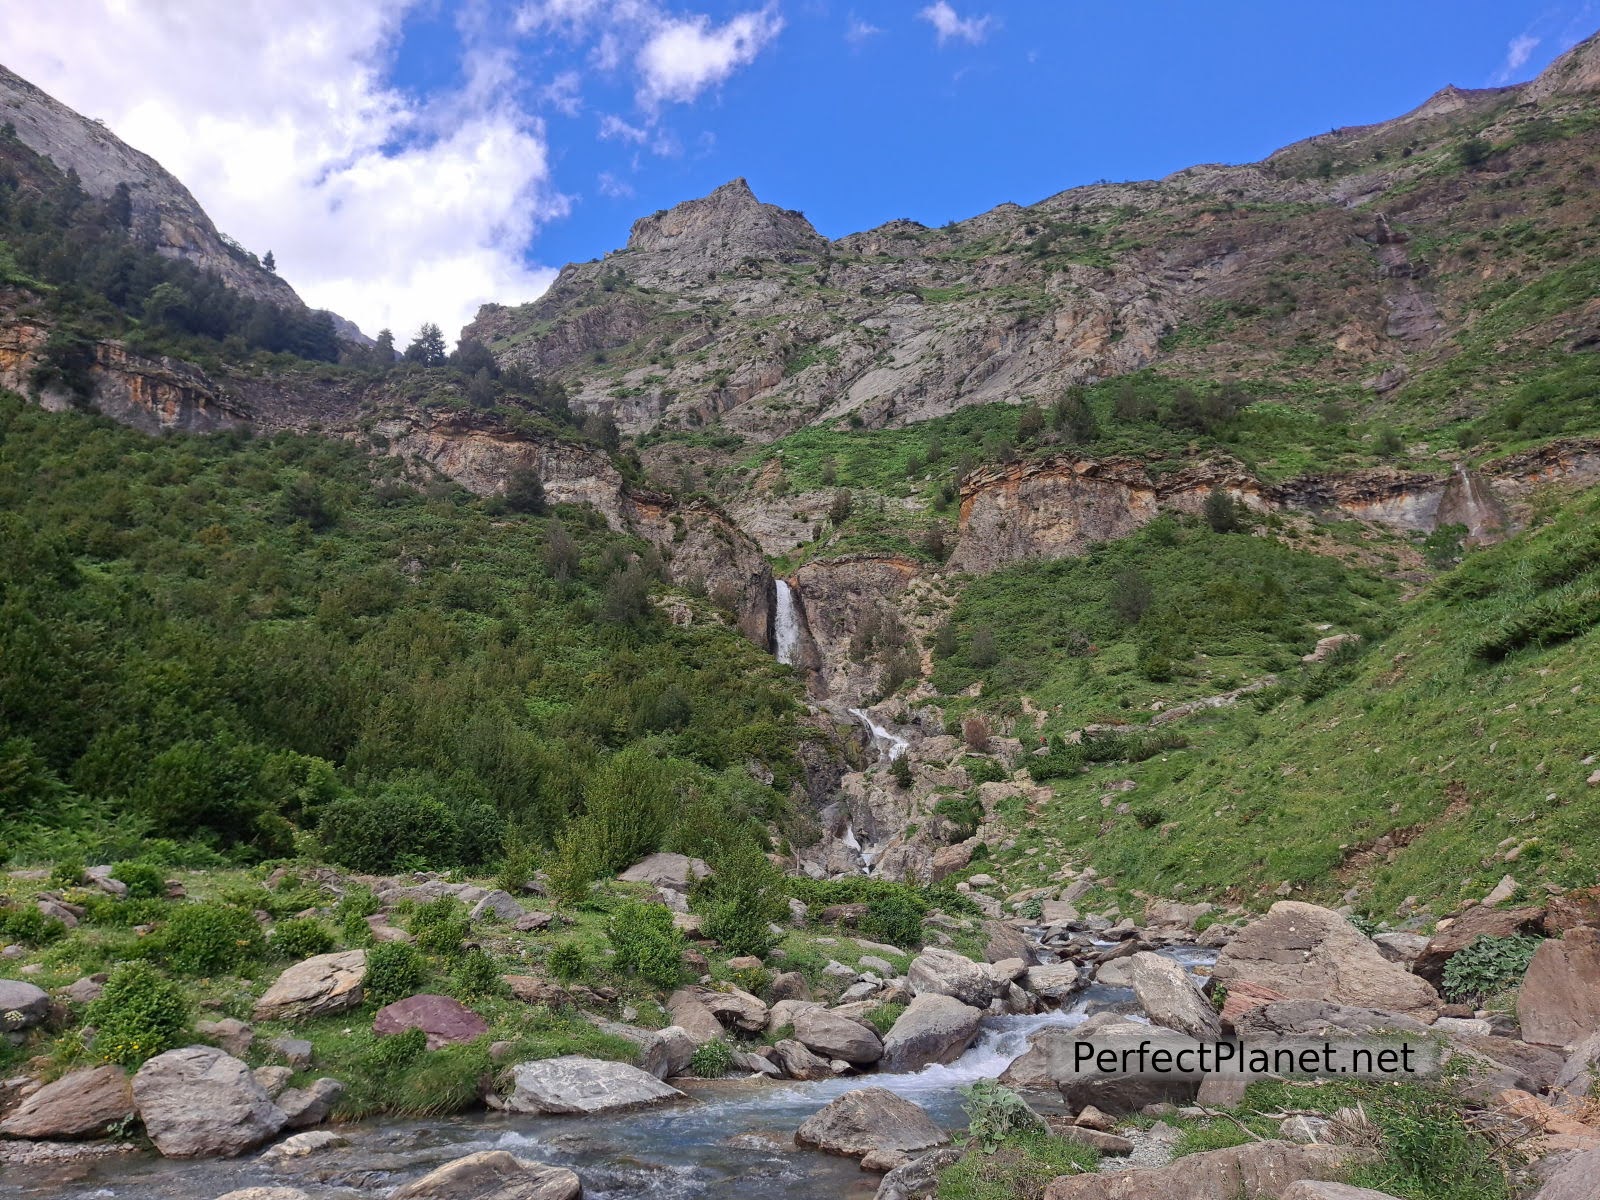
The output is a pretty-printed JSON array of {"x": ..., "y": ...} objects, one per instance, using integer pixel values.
[
  {"x": 870, "y": 1120},
  {"x": 297, "y": 1052},
  {"x": 668, "y": 871},
  {"x": 1170, "y": 1000},
  {"x": 82, "y": 1104},
  {"x": 946, "y": 973},
  {"x": 22, "y": 1005},
  {"x": 834, "y": 1036},
  {"x": 499, "y": 905},
  {"x": 799, "y": 1063},
  {"x": 492, "y": 1175},
  {"x": 316, "y": 987},
  {"x": 200, "y": 1102},
  {"x": 933, "y": 1029},
  {"x": 273, "y": 1079},
  {"x": 232, "y": 1034},
  {"x": 919, "y": 1178},
  {"x": 308, "y": 1106},
  {"x": 574, "y": 1084}
]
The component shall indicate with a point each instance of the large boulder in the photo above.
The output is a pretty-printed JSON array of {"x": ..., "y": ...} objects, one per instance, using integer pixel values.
[
  {"x": 1466, "y": 929},
  {"x": 1559, "y": 1001},
  {"x": 1253, "y": 1171},
  {"x": 1051, "y": 1062},
  {"x": 1578, "y": 1078},
  {"x": 919, "y": 1178},
  {"x": 492, "y": 1175},
  {"x": 201, "y": 1103},
  {"x": 1319, "y": 1018},
  {"x": 946, "y": 973},
  {"x": 1004, "y": 940},
  {"x": 735, "y": 1007},
  {"x": 308, "y": 1106},
  {"x": 573, "y": 1084},
  {"x": 691, "y": 1015},
  {"x": 22, "y": 1005},
  {"x": 670, "y": 871},
  {"x": 1573, "y": 1178},
  {"x": 871, "y": 1121},
  {"x": 933, "y": 1029},
  {"x": 501, "y": 906},
  {"x": 1306, "y": 951},
  {"x": 1170, "y": 1000},
  {"x": 317, "y": 987},
  {"x": 662, "y": 1052},
  {"x": 834, "y": 1036},
  {"x": 443, "y": 1019},
  {"x": 797, "y": 1062},
  {"x": 1054, "y": 982},
  {"x": 82, "y": 1104}
]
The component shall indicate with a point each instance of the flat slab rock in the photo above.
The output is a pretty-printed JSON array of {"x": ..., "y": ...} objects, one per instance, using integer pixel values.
[
  {"x": 201, "y": 1103},
  {"x": 444, "y": 1020},
  {"x": 82, "y": 1104},
  {"x": 326, "y": 983},
  {"x": 871, "y": 1121},
  {"x": 572, "y": 1084},
  {"x": 1255, "y": 1171},
  {"x": 492, "y": 1175}
]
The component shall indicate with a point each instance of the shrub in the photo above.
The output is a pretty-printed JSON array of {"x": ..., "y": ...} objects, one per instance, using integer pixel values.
[
  {"x": 208, "y": 939},
  {"x": 895, "y": 918},
  {"x": 476, "y": 976},
  {"x": 29, "y": 926},
  {"x": 301, "y": 937},
  {"x": 975, "y": 732},
  {"x": 572, "y": 868},
  {"x": 68, "y": 873},
  {"x": 744, "y": 898},
  {"x": 713, "y": 1060},
  {"x": 138, "y": 1015},
  {"x": 884, "y": 1016},
  {"x": 397, "y": 1051},
  {"x": 395, "y": 970},
  {"x": 1487, "y": 965},
  {"x": 374, "y": 833},
  {"x": 358, "y": 901},
  {"x": 441, "y": 926},
  {"x": 995, "y": 1114},
  {"x": 647, "y": 943},
  {"x": 145, "y": 881},
  {"x": 566, "y": 962}
]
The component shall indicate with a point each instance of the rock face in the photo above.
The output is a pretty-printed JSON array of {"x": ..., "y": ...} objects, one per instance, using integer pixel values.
[
  {"x": 919, "y": 1178},
  {"x": 1254, "y": 1171},
  {"x": 870, "y": 1120},
  {"x": 443, "y": 1019},
  {"x": 1573, "y": 1178},
  {"x": 1169, "y": 999},
  {"x": 933, "y": 1029},
  {"x": 22, "y": 1005},
  {"x": 691, "y": 1015},
  {"x": 81, "y": 1104},
  {"x": 1306, "y": 951},
  {"x": 327, "y": 983},
  {"x": 1051, "y": 1062},
  {"x": 573, "y": 1084},
  {"x": 492, "y": 1175},
  {"x": 308, "y": 1106},
  {"x": 946, "y": 973},
  {"x": 675, "y": 871},
  {"x": 1559, "y": 1001},
  {"x": 202, "y": 1103}
]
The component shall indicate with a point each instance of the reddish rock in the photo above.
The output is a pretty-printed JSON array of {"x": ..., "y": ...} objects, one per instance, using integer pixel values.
[
  {"x": 1579, "y": 907},
  {"x": 444, "y": 1020},
  {"x": 1559, "y": 1001},
  {"x": 1242, "y": 996}
]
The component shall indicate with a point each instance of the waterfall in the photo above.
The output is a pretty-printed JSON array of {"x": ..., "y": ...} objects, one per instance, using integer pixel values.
[
  {"x": 890, "y": 745},
  {"x": 786, "y": 625},
  {"x": 1470, "y": 502}
]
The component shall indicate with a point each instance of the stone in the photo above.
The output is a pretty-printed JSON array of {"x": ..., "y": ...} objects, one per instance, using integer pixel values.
[
  {"x": 788, "y": 985},
  {"x": 232, "y": 1034},
  {"x": 1004, "y": 940},
  {"x": 1106, "y": 1143},
  {"x": 1578, "y": 1078},
  {"x": 1058, "y": 912},
  {"x": 670, "y": 871},
  {"x": 946, "y": 973},
  {"x": 1303, "y": 950},
  {"x": 800, "y": 1063},
  {"x": 532, "y": 990},
  {"x": 1217, "y": 1091},
  {"x": 919, "y": 1178},
  {"x": 85, "y": 991},
  {"x": 492, "y": 1175},
  {"x": 22, "y": 1005},
  {"x": 1056, "y": 982},
  {"x": 533, "y": 922},
  {"x": 446, "y": 1021},
  {"x": 1315, "y": 1189},
  {"x": 1253, "y": 1171},
  {"x": 303, "y": 1145},
  {"x": 574, "y": 1084},
  {"x": 1501, "y": 892},
  {"x": 307, "y": 1106},
  {"x": 383, "y": 932},
  {"x": 1241, "y": 996},
  {"x": 1468, "y": 927},
  {"x": 83, "y": 1104},
  {"x": 1170, "y": 1000},
  {"x": 693, "y": 1017},
  {"x": 297, "y": 1052},
  {"x": 735, "y": 1007},
  {"x": 1401, "y": 947},
  {"x": 1092, "y": 1118},
  {"x": 933, "y": 1029},
  {"x": 1050, "y": 1063},
  {"x": 1169, "y": 914},
  {"x": 317, "y": 987},
  {"x": 274, "y": 1079},
  {"x": 499, "y": 905},
  {"x": 1303, "y": 1129},
  {"x": 265, "y": 1193},
  {"x": 833, "y": 1036},
  {"x": 1572, "y": 1178},
  {"x": 1559, "y": 1000},
  {"x": 1320, "y": 1018},
  {"x": 870, "y": 1120},
  {"x": 1580, "y": 906},
  {"x": 662, "y": 1052},
  {"x": 881, "y": 967},
  {"x": 199, "y": 1102}
]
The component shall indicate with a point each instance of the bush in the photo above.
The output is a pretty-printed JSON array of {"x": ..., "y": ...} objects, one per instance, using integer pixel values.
[
  {"x": 573, "y": 867},
  {"x": 566, "y": 962},
  {"x": 68, "y": 873},
  {"x": 29, "y": 926},
  {"x": 1487, "y": 965},
  {"x": 358, "y": 901},
  {"x": 896, "y": 919},
  {"x": 441, "y": 926},
  {"x": 145, "y": 881},
  {"x": 397, "y": 1051},
  {"x": 476, "y": 977},
  {"x": 647, "y": 943},
  {"x": 375, "y": 833},
  {"x": 745, "y": 897},
  {"x": 208, "y": 939},
  {"x": 395, "y": 970},
  {"x": 713, "y": 1060},
  {"x": 301, "y": 937},
  {"x": 995, "y": 1114},
  {"x": 138, "y": 1015}
]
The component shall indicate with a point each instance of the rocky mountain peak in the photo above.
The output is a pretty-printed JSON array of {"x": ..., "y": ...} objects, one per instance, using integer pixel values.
[
  {"x": 1575, "y": 73},
  {"x": 720, "y": 230}
]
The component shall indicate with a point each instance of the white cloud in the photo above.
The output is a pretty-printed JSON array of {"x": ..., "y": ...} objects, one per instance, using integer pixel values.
[
  {"x": 612, "y": 187},
  {"x": 564, "y": 93},
  {"x": 859, "y": 32},
  {"x": 948, "y": 24},
  {"x": 614, "y": 129},
  {"x": 276, "y": 115},
  {"x": 685, "y": 56},
  {"x": 1518, "y": 51}
]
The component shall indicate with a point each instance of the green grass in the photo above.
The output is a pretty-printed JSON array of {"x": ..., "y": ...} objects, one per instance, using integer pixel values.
[{"x": 1020, "y": 1169}]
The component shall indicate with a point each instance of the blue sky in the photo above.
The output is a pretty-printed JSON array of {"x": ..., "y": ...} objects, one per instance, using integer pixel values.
[{"x": 408, "y": 160}]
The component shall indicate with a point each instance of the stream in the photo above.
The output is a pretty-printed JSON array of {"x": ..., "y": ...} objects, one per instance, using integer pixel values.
[{"x": 728, "y": 1140}]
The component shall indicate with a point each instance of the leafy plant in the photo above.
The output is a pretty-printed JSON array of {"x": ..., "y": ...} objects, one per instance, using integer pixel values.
[
  {"x": 713, "y": 1059},
  {"x": 300, "y": 937},
  {"x": 139, "y": 1014},
  {"x": 208, "y": 939},
  {"x": 441, "y": 926},
  {"x": 395, "y": 970},
  {"x": 566, "y": 962},
  {"x": 145, "y": 881},
  {"x": 995, "y": 1114},
  {"x": 647, "y": 943},
  {"x": 1487, "y": 965}
]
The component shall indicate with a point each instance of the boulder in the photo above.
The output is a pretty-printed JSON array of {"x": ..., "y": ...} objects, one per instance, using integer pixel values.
[
  {"x": 1242, "y": 996},
  {"x": 693, "y": 1017},
  {"x": 492, "y": 1175},
  {"x": 919, "y": 1178},
  {"x": 1003, "y": 941},
  {"x": 834, "y": 1036},
  {"x": 1318, "y": 1018},
  {"x": 1309, "y": 1189},
  {"x": 308, "y": 1106},
  {"x": 933, "y": 1029},
  {"x": 1511, "y": 1062},
  {"x": 735, "y": 1008},
  {"x": 946, "y": 973},
  {"x": 1170, "y": 1000},
  {"x": 1559, "y": 1001},
  {"x": 533, "y": 922},
  {"x": 1401, "y": 947},
  {"x": 798, "y": 1062},
  {"x": 383, "y": 932},
  {"x": 573, "y": 1084},
  {"x": 302, "y": 1145},
  {"x": 1467, "y": 928},
  {"x": 788, "y": 985},
  {"x": 671, "y": 871},
  {"x": 85, "y": 991},
  {"x": 1254, "y": 1171},
  {"x": 317, "y": 987},
  {"x": 232, "y": 1034},
  {"x": 1170, "y": 914},
  {"x": 83, "y": 1104},
  {"x": 22, "y": 1005},
  {"x": 266, "y": 1193},
  {"x": 1056, "y": 982},
  {"x": 662, "y": 1052},
  {"x": 871, "y": 1121},
  {"x": 1578, "y": 1077},
  {"x": 297, "y": 1052},
  {"x": 499, "y": 905},
  {"x": 200, "y": 1103},
  {"x": 1104, "y": 1142},
  {"x": 1050, "y": 1062},
  {"x": 1572, "y": 1178},
  {"x": 1580, "y": 906},
  {"x": 1303, "y": 950},
  {"x": 274, "y": 1079},
  {"x": 444, "y": 1020}
]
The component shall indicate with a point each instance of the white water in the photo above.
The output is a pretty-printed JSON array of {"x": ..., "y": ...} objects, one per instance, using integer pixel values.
[
  {"x": 890, "y": 745},
  {"x": 786, "y": 625}
]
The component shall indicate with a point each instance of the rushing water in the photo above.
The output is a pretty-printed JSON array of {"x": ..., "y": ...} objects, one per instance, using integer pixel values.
[
  {"x": 890, "y": 745},
  {"x": 728, "y": 1140},
  {"x": 785, "y": 625}
]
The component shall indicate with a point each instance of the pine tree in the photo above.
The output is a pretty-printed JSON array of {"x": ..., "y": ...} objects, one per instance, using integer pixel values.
[
  {"x": 383, "y": 349},
  {"x": 270, "y": 263},
  {"x": 428, "y": 347}
]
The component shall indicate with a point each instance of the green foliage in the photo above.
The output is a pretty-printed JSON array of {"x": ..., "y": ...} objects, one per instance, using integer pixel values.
[
  {"x": 208, "y": 939},
  {"x": 744, "y": 897},
  {"x": 395, "y": 970},
  {"x": 441, "y": 926},
  {"x": 884, "y": 1016},
  {"x": 1487, "y": 965},
  {"x": 397, "y": 1051},
  {"x": 646, "y": 943},
  {"x": 895, "y": 918},
  {"x": 404, "y": 824},
  {"x": 996, "y": 1114},
  {"x": 30, "y": 927},
  {"x": 566, "y": 962},
  {"x": 713, "y": 1059},
  {"x": 67, "y": 874},
  {"x": 144, "y": 880},
  {"x": 1020, "y": 1169},
  {"x": 300, "y": 937},
  {"x": 476, "y": 977},
  {"x": 138, "y": 1015}
]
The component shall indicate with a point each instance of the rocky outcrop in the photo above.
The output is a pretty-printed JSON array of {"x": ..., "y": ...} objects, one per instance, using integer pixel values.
[
  {"x": 1254, "y": 1171},
  {"x": 202, "y": 1103},
  {"x": 1559, "y": 1000},
  {"x": 492, "y": 1175},
  {"x": 572, "y": 1084},
  {"x": 81, "y": 1104},
  {"x": 1169, "y": 999},
  {"x": 318, "y": 986},
  {"x": 946, "y": 973},
  {"x": 22, "y": 1005},
  {"x": 839, "y": 598},
  {"x": 871, "y": 1122}
]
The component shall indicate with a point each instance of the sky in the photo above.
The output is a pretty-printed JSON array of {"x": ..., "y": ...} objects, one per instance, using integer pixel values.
[{"x": 408, "y": 160}]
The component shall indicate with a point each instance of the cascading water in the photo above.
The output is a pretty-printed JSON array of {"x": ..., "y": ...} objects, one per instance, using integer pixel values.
[
  {"x": 890, "y": 745},
  {"x": 785, "y": 625}
]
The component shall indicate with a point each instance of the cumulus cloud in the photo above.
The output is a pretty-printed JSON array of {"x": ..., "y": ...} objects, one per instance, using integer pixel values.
[
  {"x": 950, "y": 25},
  {"x": 1518, "y": 51},
  {"x": 276, "y": 114},
  {"x": 685, "y": 56}
]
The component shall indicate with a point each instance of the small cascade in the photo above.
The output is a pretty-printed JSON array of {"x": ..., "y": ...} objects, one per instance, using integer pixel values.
[
  {"x": 890, "y": 745},
  {"x": 1469, "y": 501},
  {"x": 785, "y": 625}
]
